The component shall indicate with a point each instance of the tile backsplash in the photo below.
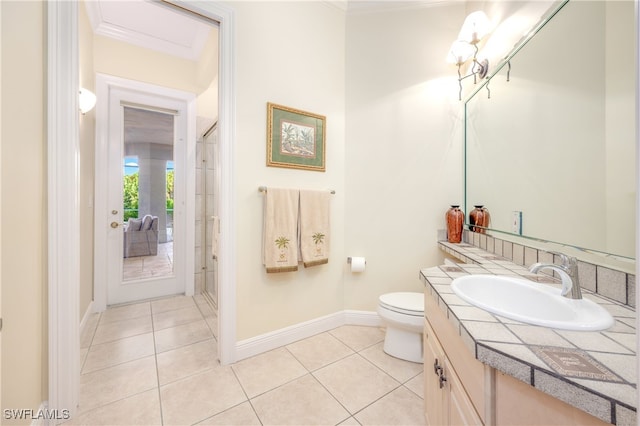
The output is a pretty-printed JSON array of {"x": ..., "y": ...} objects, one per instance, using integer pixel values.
[{"x": 613, "y": 284}]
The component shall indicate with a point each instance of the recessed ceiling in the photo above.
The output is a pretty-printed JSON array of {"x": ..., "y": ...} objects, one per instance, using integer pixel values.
[{"x": 149, "y": 25}]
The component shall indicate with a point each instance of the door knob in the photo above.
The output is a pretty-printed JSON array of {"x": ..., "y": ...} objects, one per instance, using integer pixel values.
[{"x": 114, "y": 225}]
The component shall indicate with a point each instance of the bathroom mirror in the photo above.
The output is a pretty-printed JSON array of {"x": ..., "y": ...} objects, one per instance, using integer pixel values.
[{"x": 551, "y": 152}]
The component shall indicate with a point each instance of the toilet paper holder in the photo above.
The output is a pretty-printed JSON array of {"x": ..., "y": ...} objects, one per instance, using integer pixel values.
[{"x": 357, "y": 264}]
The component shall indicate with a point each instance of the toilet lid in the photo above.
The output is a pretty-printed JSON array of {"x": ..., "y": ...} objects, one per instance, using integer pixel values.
[{"x": 411, "y": 303}]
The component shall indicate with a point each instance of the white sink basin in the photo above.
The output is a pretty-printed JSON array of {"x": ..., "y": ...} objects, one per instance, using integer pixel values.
[{"x": 531, "y": 302}]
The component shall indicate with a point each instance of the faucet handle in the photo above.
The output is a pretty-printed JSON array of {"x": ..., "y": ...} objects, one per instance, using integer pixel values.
[{"x": 566, "y": 260}]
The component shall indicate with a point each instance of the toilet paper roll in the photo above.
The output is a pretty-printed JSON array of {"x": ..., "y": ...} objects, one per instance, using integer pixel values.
[{"x": 358, "y": 264}]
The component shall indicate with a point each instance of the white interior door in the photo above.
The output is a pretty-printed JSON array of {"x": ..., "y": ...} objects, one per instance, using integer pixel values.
[{"x": 146, "y": 238}]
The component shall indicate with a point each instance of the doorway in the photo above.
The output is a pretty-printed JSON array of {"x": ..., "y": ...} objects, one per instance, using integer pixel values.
[
  {"x": 143, "y": 186},
  {"x": 63, "y": 182}
]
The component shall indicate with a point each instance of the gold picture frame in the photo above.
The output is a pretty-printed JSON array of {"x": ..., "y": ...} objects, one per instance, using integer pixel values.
[{"x": 295, "y": 138}]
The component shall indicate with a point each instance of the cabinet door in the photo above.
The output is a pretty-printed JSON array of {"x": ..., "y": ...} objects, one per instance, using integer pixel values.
[
  {"x": 461, "y": 410},
  {"x": 434, "y": 397}
]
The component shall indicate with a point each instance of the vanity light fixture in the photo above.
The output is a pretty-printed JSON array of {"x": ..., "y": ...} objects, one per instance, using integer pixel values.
[
  {"x": 87, "y": 100},
  {"x": 476, "y": 26}
]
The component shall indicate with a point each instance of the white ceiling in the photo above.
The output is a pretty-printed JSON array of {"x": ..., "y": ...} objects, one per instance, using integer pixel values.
[{"x": 150, "y": 25}]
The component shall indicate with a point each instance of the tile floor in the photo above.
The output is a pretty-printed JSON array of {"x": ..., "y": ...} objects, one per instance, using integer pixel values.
[
  {"x": 134, "y": 268},
  {"x": 154, "y": 363}
]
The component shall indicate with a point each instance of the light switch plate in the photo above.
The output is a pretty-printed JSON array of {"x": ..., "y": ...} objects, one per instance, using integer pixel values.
[{"x": 516, "y": 222}]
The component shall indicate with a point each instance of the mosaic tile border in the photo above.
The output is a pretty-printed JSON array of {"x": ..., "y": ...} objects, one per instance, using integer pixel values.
[{"x": 575, "y": 363}]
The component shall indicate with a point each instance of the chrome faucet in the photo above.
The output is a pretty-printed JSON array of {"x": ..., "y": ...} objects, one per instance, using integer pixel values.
[{"x": 568, "y": 272}]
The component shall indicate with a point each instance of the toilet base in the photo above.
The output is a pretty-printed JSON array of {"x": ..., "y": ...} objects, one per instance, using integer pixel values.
[{"x": 404, "y": 344}]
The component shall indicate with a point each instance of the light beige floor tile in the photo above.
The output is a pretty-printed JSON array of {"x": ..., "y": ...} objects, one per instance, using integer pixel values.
[
  {"x": 172, "y": 303},
  {"x": 110, "y": 331},
  {"x": 123, "y": 312},
  {"x": 399, "y": 369},
  {"x": 83, "y": 356},
  {"x": 350, "y": 422},
  {"x": 355, "y": 382},
  {"x": 212, "y": 322},
  {"x": 358, "y": 337},
  {"x": 140, "y": 409},
  {"x": 200, "y": 396},
  {"x": 118, "y": 352},
  {"x": 400, "y": 407},
  {"x": 176, "y": 317},
  {"x": 187, "y": 360},
  {"x": 242, "y": 414},
  {"x": 416, "y": 385},
  {"x": 267, "y": 371},
  {"x": 121, "y": 381},
  {"x": 88, "y": 331},
  {"x": 182, "y": 335},
  {"x": 206, "y": 309},
  {"x": 200, "y": 299},
  {"x": 319, "y": 350},
  {"x": 303, "y": 401}
]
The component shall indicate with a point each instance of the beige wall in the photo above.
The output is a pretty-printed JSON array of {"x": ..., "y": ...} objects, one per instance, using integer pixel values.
[
  {"x": 120, "y": 59},
  {"x": 403, "y": 151},
  {"x": 24, "y": 370},
  {"x": 292, "y": 54}
]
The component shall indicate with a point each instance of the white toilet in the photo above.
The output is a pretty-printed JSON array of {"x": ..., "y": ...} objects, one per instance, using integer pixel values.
[{"x": 403, "y": 314}]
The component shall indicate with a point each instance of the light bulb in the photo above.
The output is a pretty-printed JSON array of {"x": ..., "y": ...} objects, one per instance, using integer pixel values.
[
  {"x": 460, "y": 52},
  {"x": 475, "y": 27}
]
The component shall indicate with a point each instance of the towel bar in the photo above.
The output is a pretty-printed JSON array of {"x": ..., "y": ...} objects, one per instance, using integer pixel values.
[{"x": 264, "y": 189}]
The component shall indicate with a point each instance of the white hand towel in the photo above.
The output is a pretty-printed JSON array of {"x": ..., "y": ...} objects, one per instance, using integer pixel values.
[
  {"x": 280, "y": 231},
  {"x": 314, "y": 227}
]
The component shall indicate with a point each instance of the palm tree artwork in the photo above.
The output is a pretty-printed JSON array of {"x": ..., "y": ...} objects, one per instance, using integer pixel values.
[{"x": 298, "y": 139}]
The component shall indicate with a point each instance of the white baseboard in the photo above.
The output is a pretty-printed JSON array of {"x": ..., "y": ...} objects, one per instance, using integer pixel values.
[
  {"x": 85, "y": 317},
  {"x": 278, "y": 338},
  {"x": 367, "y": 318}
]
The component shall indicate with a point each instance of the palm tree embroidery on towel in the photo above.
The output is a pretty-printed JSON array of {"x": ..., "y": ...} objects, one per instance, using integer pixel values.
[
  {"x": 318, "y": 238},
  {"x": 282, "y": 243}
]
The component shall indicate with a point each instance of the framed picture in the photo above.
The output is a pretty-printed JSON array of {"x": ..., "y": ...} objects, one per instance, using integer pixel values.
[{"x": 295, "y": 139}]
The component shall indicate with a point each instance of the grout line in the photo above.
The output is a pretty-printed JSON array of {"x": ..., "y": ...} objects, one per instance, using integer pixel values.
[
  {"x": 155, "y": 356},
  {"x": 308, "y": 371}
]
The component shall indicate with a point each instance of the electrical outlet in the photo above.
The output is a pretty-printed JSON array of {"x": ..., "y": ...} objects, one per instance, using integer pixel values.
[{"x": 516, "y": 222}]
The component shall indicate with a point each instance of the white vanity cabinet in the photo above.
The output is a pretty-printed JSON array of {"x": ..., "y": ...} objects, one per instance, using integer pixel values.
[{"x": 446, "y": 400}]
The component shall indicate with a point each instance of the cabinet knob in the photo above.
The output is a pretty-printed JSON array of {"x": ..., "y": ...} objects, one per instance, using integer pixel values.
[
  {"x": 443, "y": 379},
  {"x": 437, "y": 369}
]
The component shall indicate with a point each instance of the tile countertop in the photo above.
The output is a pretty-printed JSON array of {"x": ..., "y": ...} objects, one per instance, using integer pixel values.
[{"x": 606, "y": 385}]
